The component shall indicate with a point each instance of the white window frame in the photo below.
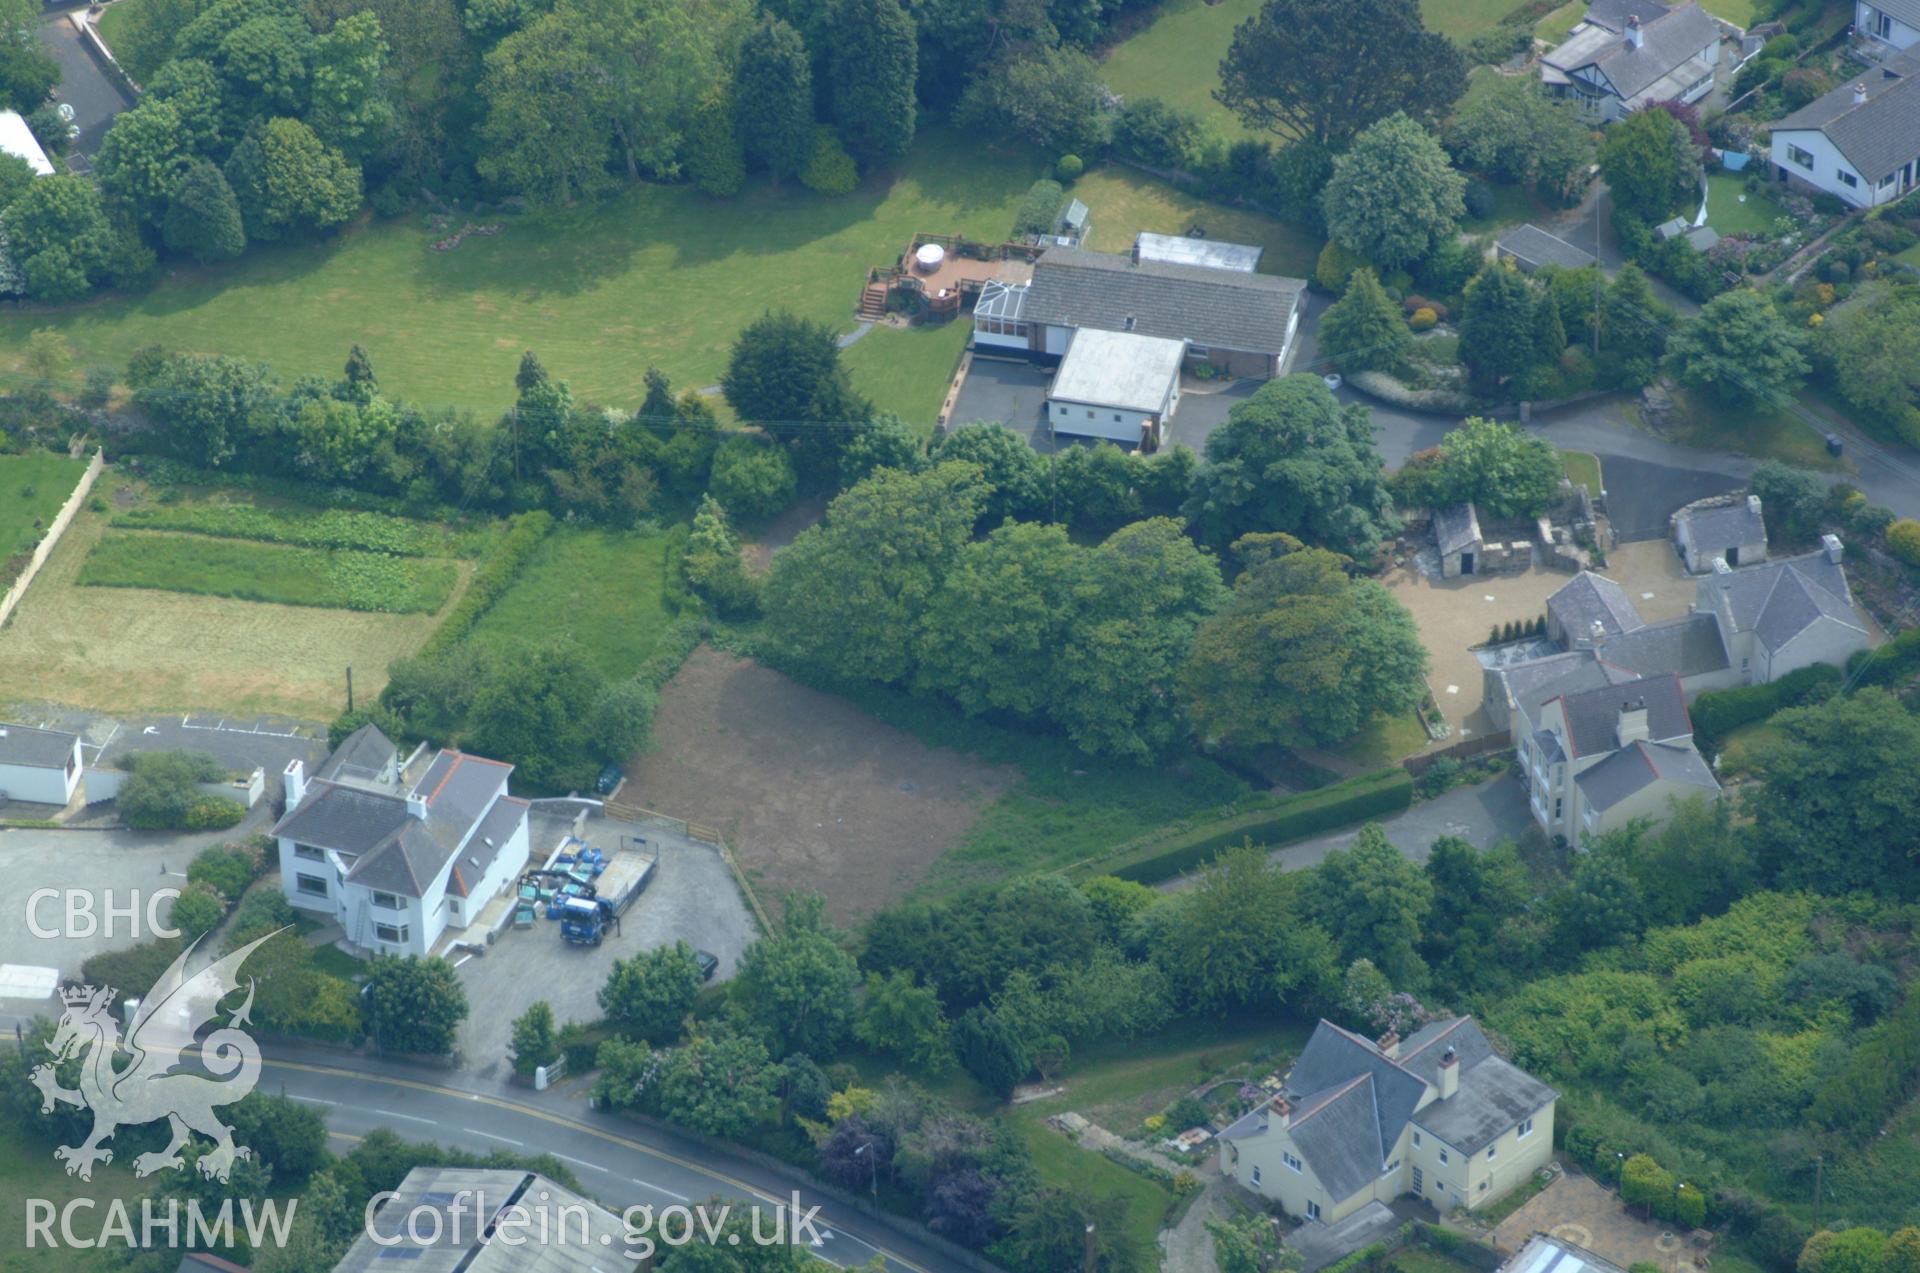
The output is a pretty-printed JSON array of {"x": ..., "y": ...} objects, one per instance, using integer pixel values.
[
  {"x": 1847, "y": 179},
  {"x": 1802, "y": 158},
  {"x": 1256, "y": 1174},
  {"x": 309, "y": 853},
  {"x": 311, "y": 885},
  {"x": 1287, "y": 1158},
  {"x": 1444, "y": 1159},
  {"x": 1493, "y": 1152},
  {"x": 388, "y": 901},
  {"x": 1313, "y": 1209},
  {"x": 400, "y": 933},
  {"x": 1416, "y": 1140},
  {"x": 1524, "y": 1130}
]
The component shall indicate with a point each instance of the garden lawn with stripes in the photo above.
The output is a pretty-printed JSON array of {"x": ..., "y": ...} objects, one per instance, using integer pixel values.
[{"x": 336, "y": 578}]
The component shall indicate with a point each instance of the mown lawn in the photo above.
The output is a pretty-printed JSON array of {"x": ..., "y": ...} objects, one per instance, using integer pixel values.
[
  {"x": 1558, "y": 25},
  {"x": 659, "y": 275},
  {"x": 246, "y": 570},
  {"x": 600, "y": 589},
  {"x": 1583, "y": 468},
  {"x": 32, "y": 489},
  {"x": 1384, "y": 741},
  {"x": 1731, "y": 210},
  {"x": 1763, "y": 433},
  {"x": 1124, "y": 202},
  {"x": 907, "y": 370}
]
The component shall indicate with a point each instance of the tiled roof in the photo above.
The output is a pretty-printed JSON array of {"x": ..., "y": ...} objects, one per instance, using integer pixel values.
[
  {"x": 1875, "y": 136},
  {"x": 1340, "y": 1138},
  {"x": 349, "y": 820},
  {"x": 1715, "y": 529},
  {"x": 1494, "y": 1095},
  {"x": 34, "y": 748},
  {"x": 1778, "y": 600},
  {"x": 1667, "y": 44},
  {"x": 1219, "y": 309},
  {"x": 365, "y": 755},
  {"x": 1906, "y": 12},
  {"x": 1588, "y": 597},
  {"x": 1532, "y": 684},
  {"x": 1687, "y": 646},
  {"x": 1456, "y": 528},
  {"x": 1613, "y": 14},
  {"x": 1633, "y": 769},
  {"x": 1593, "y": 717},
  {"x": 1332, "y": 1059}
]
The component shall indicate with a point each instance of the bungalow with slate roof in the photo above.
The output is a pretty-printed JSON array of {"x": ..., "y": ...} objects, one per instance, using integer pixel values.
[
  {"x": 1240, "y": 322},
  {"x": 1861, "y": 141},
  {"x": 1723, "y": 526},
  {"x": 1440, "y": 1116},
  {"x": 1600, "y": 727},
  {"x": 1671, "y": 56},
  {"x": 397, "y": 853},
  {"x": 41, "y": 766}
]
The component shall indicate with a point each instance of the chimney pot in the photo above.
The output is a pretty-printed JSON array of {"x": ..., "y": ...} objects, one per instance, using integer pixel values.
[
  {"x": 1859, "y": 92},
  {"x": 417, "y": 806},
  {"x": 1449, "y": 1073},
  {"x": 1634, "y": 35},
  {"x": 1389, "y": 1044},
  {"x": 1834, "y": 549}
]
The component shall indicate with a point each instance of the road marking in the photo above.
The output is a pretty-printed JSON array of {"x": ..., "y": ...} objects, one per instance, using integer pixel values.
[
  {"x": 387, "y": 1113},
  {"x": 490, "y": 1136},
  {"x": 581, "y": 1162},
  {"x": 346, "y": 1136},
  {"x": 316, "y": 1100},
  {"x": 648, "y": 1184},
  {"x": 561, "y": 1120}
]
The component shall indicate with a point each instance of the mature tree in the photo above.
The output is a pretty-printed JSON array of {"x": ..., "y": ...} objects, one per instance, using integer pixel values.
[
  {"x": 994, "y": 632},
  {"x": 192, "y": 88},
  {"x": 209, "y": 407},
  {"x": 16, "y": 174},
  {"x": 753, "y": 475},
  {"x": 534, "y": 1038},
  {"x": 289, "y": 181},
  {"x": 1872, "y": 344},
  {"x": 203, "y": 217},
  {"x": 59, "y": 236},
  {"x": 413, "y": 1004},
  {"x": 1144, "y": 592},
  {"x": 1103, "y": 487},
  {"x": 848, "y": 595},
  {"x": 1549, "y": 332},
  {"x": 1050, "y": 97},
  {"x": 884, "y": 442},
  {"x": 1375, "y": 903},
  {"x": 1835, "y": 812},
  {"x": 1236, "y": 939},
  {"x": 1364, "y": 330},
  {"x": 350, "y": 111},
  {"x": 716, "y": 160},
  {"x": 796, "y": 983},
  {"x": 874, "y": 57},
  {"x": 1740, "y": 350},
  {"x": 1794, "y": 501},
  {"x": 1478, "y": 928},
  {"x": 1512, "y": 131},
  {"x": 1017, "y": 476},
  {"x": 1325, "y": 69},
  {"x": 990, "y": 1052},
  {"x": 1291, "y": 458},
  {"x": 713, "y": 565},
  {"x": 1603, "y": 906},
  {"x": 1498, "y": 340},
  {"x": 720, "y": 1083},
  {"x": 967, "y": 947},
  {"x": 545, "y": 133},
  {"x": 904, "y": 1018},
  {"x": 1634, "y": 326},
  {"x": 773, "y": 92},
  {"x": 1068, "y": 1228},
  {"x": 1301, "y": 654},
  {"x": 533, "y": 711},
  {"x": 1650, "y": 164},
  {"x": 650, "y": 995},
  {"x": 141, "y": 160},
  {"x": 143, "y": 35},
  {"x": 785, "y": 375},
  {"x": 1500, "y": 467},
  {"x": 1393, "y": 196}
]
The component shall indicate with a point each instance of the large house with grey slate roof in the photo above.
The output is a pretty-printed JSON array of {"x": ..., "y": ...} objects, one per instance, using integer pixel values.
[
  {"x": 1241, "y": 322},
  {"x": 1861, "y": 141},
  {"x": 1440, "y": 1116},
  {"x": 1654, "y": 54},
  {"x": 1600, "y": 723},
  {"x": 1888, "y": 26},
  {"x": 399, "y": 852}
]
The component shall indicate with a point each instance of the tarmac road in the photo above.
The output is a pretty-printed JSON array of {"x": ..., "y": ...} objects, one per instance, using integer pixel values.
[{"x": 619, "y": 1162}]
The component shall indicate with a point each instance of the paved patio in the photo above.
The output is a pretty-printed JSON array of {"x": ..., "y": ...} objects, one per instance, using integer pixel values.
[{"x": 1580, "y": 1210}]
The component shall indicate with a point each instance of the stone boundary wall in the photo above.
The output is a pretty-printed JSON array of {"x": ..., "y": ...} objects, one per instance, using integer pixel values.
[{"x": 51, "y": 539}]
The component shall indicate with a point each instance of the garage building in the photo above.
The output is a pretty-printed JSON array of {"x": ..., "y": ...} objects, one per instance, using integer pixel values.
[
  {"x": 38, "y": 765},
  {"x": 1116, "y": 385}
]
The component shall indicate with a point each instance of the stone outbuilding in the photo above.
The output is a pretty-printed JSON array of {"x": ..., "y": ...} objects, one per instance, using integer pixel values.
[
  {"x": 1725, "y": 526},
  {"x": 1456, "y": 533}
]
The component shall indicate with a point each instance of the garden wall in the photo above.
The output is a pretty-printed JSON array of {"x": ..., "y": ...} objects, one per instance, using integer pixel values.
[{"x": 44, "y": 549}]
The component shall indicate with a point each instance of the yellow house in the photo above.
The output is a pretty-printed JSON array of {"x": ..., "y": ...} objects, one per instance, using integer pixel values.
[{"x": 1440, "y": 1116}]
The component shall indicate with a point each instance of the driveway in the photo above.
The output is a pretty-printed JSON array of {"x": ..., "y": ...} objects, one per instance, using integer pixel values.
[
  {"x": 692, "y": 899},
  {"x": 1014, "y": 393},
  {"x": 83, "y": 85}
]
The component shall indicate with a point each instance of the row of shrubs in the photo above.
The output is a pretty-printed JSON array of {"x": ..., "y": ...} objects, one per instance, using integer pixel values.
[
  {"x": 1291, "y": 818},
  {"x": 332, "y": 528},
  {"x": 496, "y": 574},
  {"x": 1718, "y": 713}
]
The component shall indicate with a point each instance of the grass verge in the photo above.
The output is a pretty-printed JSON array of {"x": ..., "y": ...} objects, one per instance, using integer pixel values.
[
  {"x": 1385, "y": 740},
  {"x": 602, "y": 589},
  {"x": 28, "y": 1169},
  {"x": 247, "y": 571},
  {"x": 1583, "y": 469},
  {"x": 1764, "y": 433}
]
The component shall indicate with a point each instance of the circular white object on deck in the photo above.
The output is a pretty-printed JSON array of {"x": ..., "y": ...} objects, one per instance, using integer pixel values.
[{"x": 929, "y": 256}]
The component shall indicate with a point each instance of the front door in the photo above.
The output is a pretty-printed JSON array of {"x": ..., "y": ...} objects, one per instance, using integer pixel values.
[
  {"x": 1733, "y": 555},
  {"x": 1419, "y": 1183},
  {"x": 1466, "y": 563}
]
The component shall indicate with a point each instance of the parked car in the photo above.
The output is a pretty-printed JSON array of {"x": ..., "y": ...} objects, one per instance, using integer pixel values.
[
  {"x": 709, "y": 963},
  {"x": 609, "y": 779}
]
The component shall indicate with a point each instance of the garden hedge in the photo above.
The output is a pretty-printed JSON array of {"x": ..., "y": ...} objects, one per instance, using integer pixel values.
[
  {"x": 1717, "y": 713},
  {"x": 1892, "y": 662},
  {"x": 495, "y": 575},
  {"x": 1293, "y": 818}
]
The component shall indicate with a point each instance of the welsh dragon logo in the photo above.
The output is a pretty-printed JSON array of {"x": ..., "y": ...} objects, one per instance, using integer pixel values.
[{"x": 145, "y": 1086}]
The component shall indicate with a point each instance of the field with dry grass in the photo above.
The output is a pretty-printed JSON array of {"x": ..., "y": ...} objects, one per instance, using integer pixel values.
[{"x": 134, "y": 649}]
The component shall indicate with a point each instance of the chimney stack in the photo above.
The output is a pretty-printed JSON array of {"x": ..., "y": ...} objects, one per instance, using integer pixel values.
[
  {"x": 294, "y": 782},
  {"x": 1389, "y": 1045},
  {"x": 1632, "y": 726},
  {"x": 417, "y": 806},
  {"x": 1634, "y": 34},
  {"x": 1753, "y": 505},
  {"x": 1834, "y": 549},
  {"x": 1860, "y": 93},
  {"x": 1449, "y": 1073},
  {"x": 1279, "y": 1114},
  {"x": 1722, "y": 572}
]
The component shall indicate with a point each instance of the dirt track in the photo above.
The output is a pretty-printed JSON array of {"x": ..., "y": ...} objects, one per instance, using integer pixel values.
[{"x": 812, "y": 792}]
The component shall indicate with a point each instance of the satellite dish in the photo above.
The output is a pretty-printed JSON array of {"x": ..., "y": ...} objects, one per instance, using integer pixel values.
[{"x": 66, "y": 112}]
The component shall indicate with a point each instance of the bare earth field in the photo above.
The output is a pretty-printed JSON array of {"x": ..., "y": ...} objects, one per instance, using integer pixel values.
[
  {"x": 138, "y": 650},
  {"x": 812, "y": 793}
]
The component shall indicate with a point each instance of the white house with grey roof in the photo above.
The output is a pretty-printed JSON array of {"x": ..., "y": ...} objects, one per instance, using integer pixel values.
[
  {"x": 40, "y": 766},
  {"x": 1861, "y": 141},
  {"x": 397, "y": 853},
  {"x": 1600, "y": 727},
  {"x": 1119, "y": 386},
  {"x": 1886, "y": 26},
  {"x": 1440, "y": 1116},
  {"x": 1242, "y": 323},
  {"x": 1609, "y": 72}
]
